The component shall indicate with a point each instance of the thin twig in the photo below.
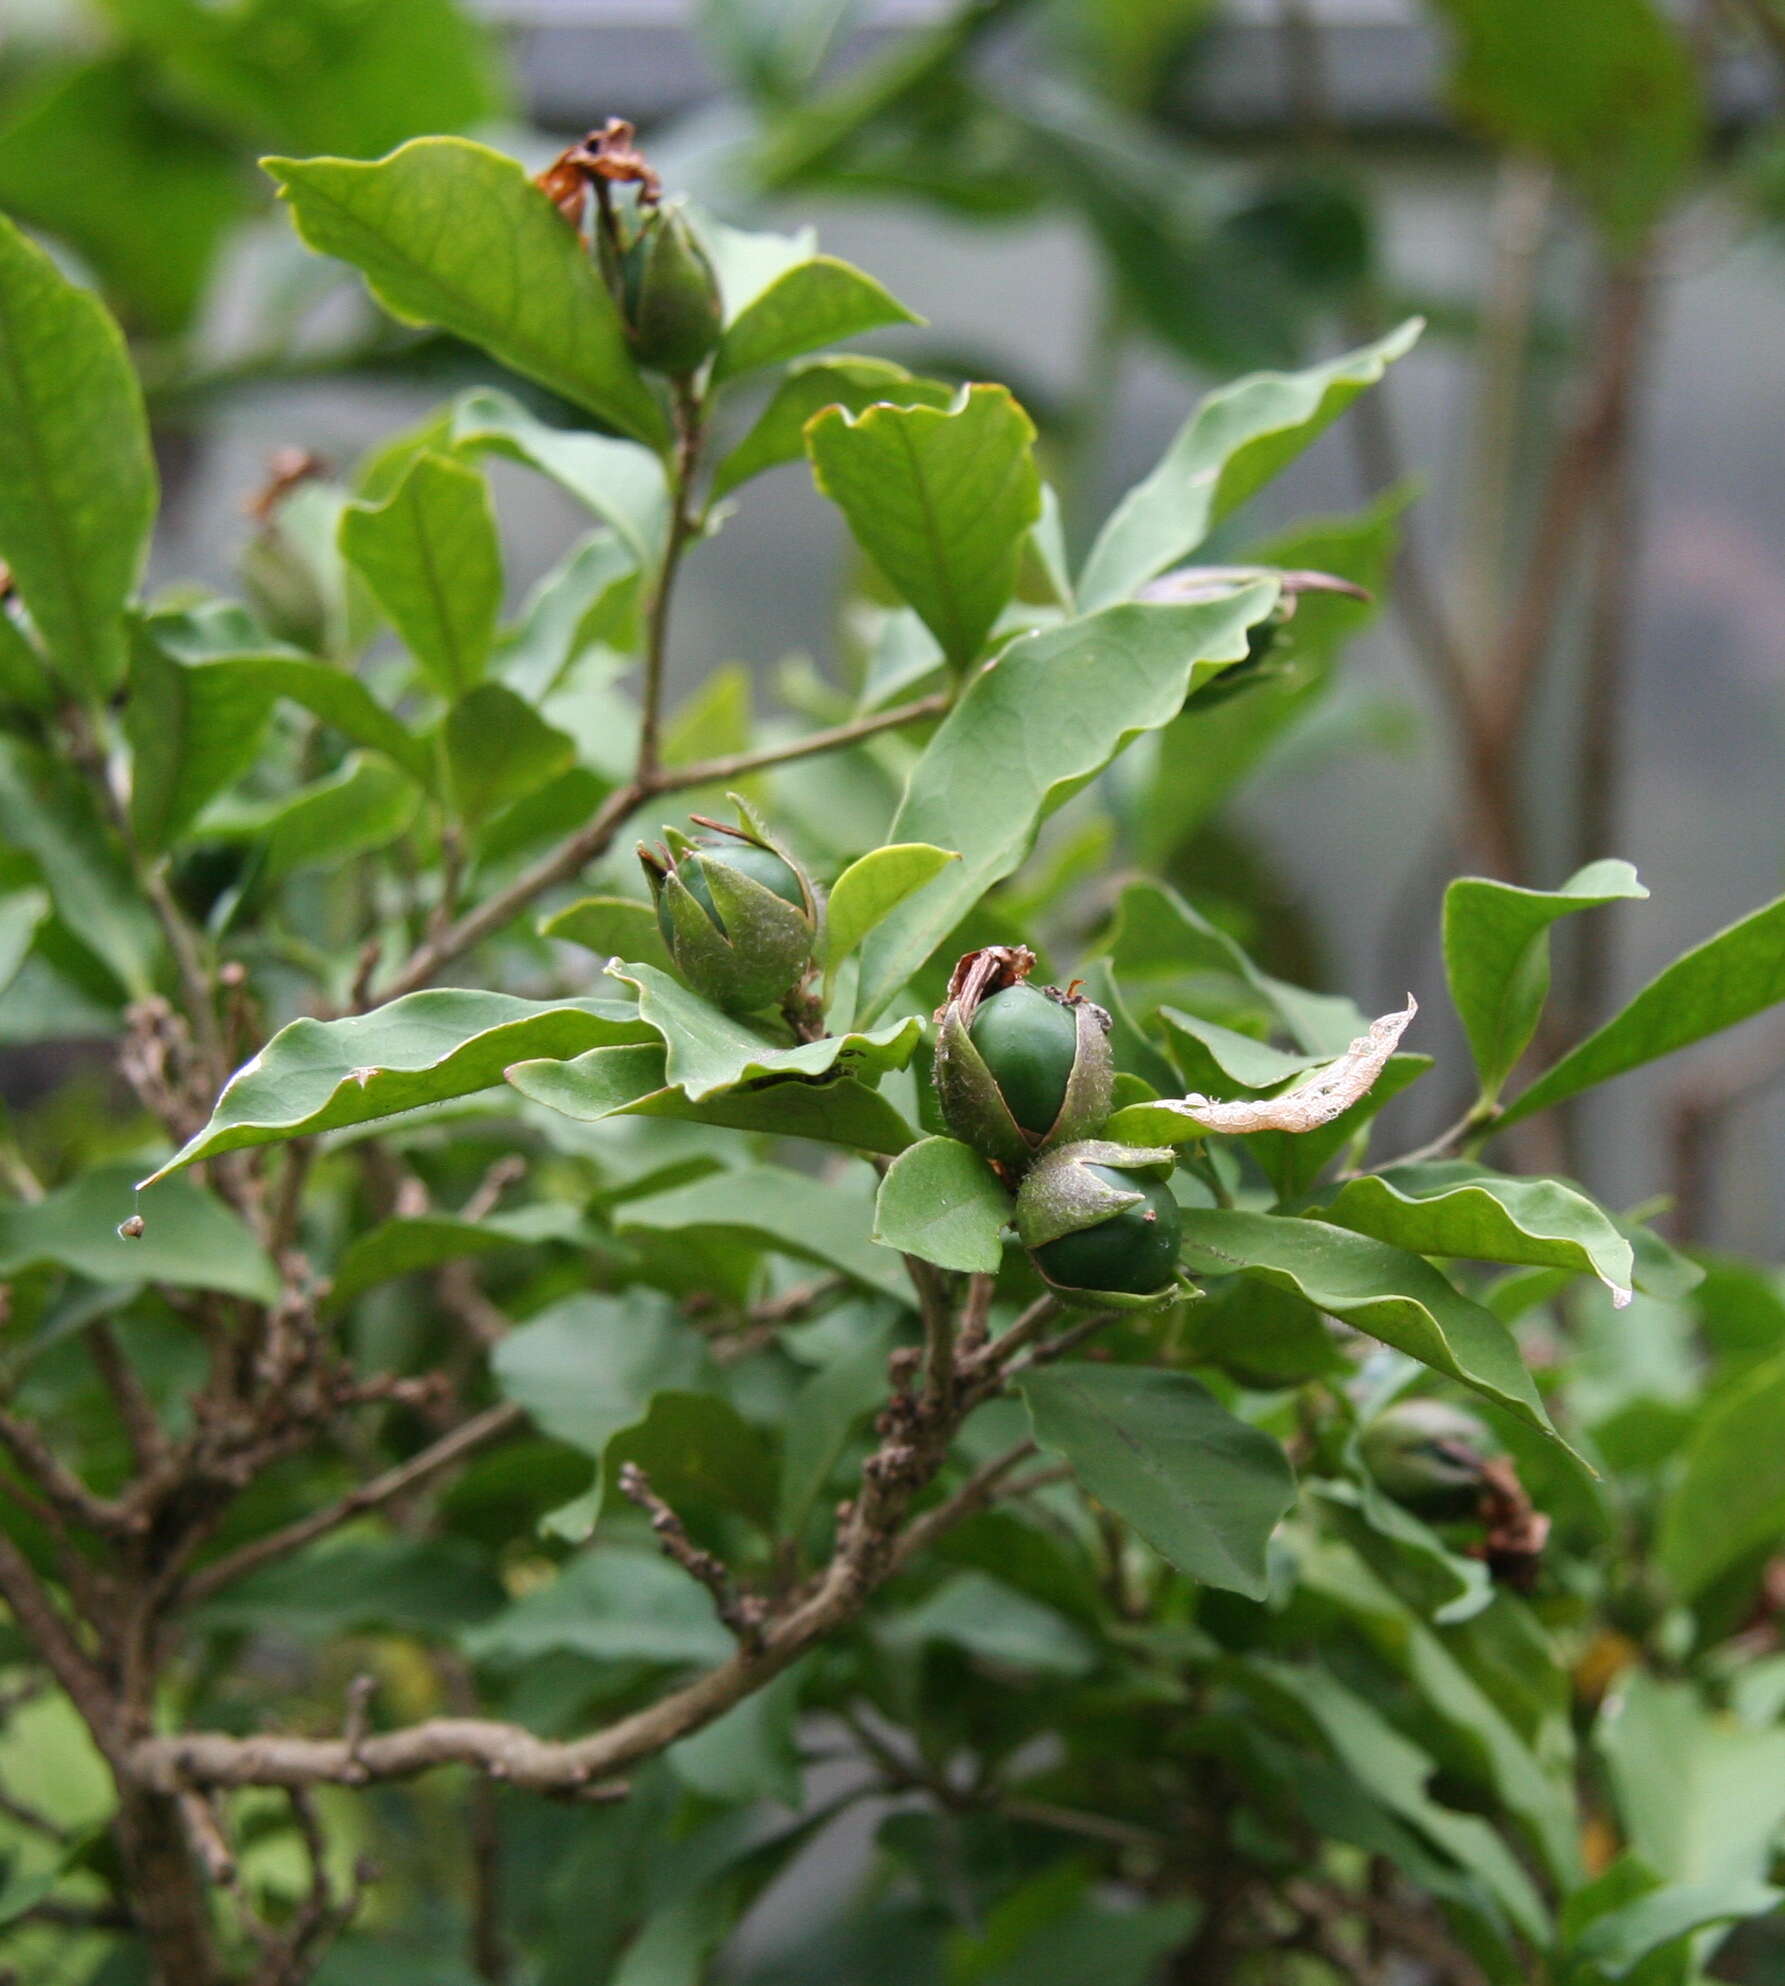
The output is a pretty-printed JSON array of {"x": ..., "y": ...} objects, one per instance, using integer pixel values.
[{"x": 690, "y": 432}]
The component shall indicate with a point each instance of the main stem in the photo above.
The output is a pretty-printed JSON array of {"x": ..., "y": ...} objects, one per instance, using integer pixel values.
[{"x": 690, "y": 424}]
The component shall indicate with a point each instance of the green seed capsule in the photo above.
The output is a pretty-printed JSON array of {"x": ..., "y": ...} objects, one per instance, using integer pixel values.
[
  {"x": 1135, "y": 1250},
  {"x": 1029, "y": 1043},
  {"x": 761, "y": 865},
  {"x": 738, "y": 919}
]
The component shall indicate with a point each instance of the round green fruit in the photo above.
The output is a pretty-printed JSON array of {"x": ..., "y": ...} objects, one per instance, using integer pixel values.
[
  {"x": 761, "y": 865},
  {"x": 1029, "y": 1043},
  {"x": 1135, "y": 1251}
]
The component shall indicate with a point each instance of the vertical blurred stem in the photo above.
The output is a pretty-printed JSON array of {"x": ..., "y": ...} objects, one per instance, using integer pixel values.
[
  {"x": 690, "y": 423},
  {"x": 1522, "y": 204}
]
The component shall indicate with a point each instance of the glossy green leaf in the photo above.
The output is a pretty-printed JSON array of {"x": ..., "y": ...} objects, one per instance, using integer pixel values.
[
  {"x": 77, "y": 498},
  {"x": 632, "y": 1082},
  {"x": 499, "y": 749},
  {"x": 941, "y": 499},
  {"x": 1218, "y": 1061},
  {"x": 870, "y": 889},
  {"x": 1204, "y": 1489},
  {"x": 1454, "y": 1208},
  {"x": 1729, "y": 1499},
  {"x": 613, "y": 927},
  {"x": 709, "y": 1051},
  {"x": 189, "y": 1238},
  {"x": 814, "y": 303},
  {"x": 424, "y": 1048},
  {"x": 450, "y": 233},
  {"x": 817, "y": 1220},
  {"x": 1607, "y": 91},
  {"x": 430, "y": 554},
  {"x": 1383, "y": 1290},
  {"x": 1737, "y": 973},
  {"x": 853, "y": 383},
  {"x": 622, "y": 483},
  {"x": 1027, "y": 735},
  {"x": 1496, "y": 956},
  {"x": 941, "y": 1202},
  {"x": 1235, "y": 442}
]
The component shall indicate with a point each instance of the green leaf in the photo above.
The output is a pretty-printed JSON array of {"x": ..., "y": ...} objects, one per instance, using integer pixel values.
[
  {"x": 818, "y": 1220},
  {"x": 819, "y": 302},
  {"x": 870, "y": 889},
  {"x": 853, "y": 383},
  {"x": 1455, "y": 1208},
  {"x": 613, "y": 927},
  {"x": 364, "y": 805},
  {"x": 451, "y": 233},
  {"x": 1701, "y": 1795},
  {"x": 1025, "y": 737},
  {"x": 23, "y": 1890},
  {"x": 710, "y": 1052},
  {"x": 1739, "y": 972},
  {"x": 1617, "y": 1942},
  {"x": 751, "y": 1753},
  {"x": 941, "y": 1202},
  {"x": 589, "y": 1365},
  {"x": 430, "y": 554},
  {"x": 189, "y": 1238},
  {"x": 985, "y": 1618},
  {"x": 409, "y": 1242},
  {"x": 86, "y": 131},
  {"x": 940, "y": 499},
  {"x": 1496, "y": 956},
  {"x": 1394, "y": 1296},
  {"x": 1729, "y": 1499},
  {"x": 821, "y": 1416},
  {"x": 417, "y": 1586},
  {"x": 696, "y": 1448},
  {"x": 622, "y": 483},
  {"x": 499, "y": 748},
  {"x": 424, "y": 1048},
  {"x": 608, "y": 1606},
  {"x": 1204, "y": 1489},
  {"x": 1235, "y": 442},
  {"x": 21, "y": 913},
  {"x": 77, "y": 498},
  {"x": 1606, "y": 91},
  {"x": 632, "y": 1082}
]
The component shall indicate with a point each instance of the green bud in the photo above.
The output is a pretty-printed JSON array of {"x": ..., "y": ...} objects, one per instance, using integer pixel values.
[
  {"x": 1019, "y": 1068},
  {"x": 1426, "y": 1455},
  {"x": 738, "y": 916},
  {"x": 667, "y": 292},
  {"x": 1101, "y": 1225}
]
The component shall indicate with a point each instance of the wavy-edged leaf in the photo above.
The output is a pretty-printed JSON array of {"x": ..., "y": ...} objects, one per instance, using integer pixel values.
[
  {"x": 1391, "y": 1294},
  {"x": 77, "y": 499},
  {"x": 1451, "y": 1207},
  {"x": 621, "y": 482},
  {"x": 1202, "y": 1487},
  {"x": 1234, "y": 443},
  {"x": 941, "y": 1202},
  {"x": 709, "y": 1051},
  {"x": 852, "y": 383},
  {"x": 819, "y": 1220},
  {"x": 450, "y": 233},
  {"x": 189, "y": 1238},
  {"x": 1496, "y": 956},
  {"x": 631, "y": 1082},
  {"x": 1729, "y": 978},
  {"x": 424, "y": 1048},
  {"x": 1050, "y": 714},
  {"x": 941, "y": 499},
  {"x": 430, "y": 554},
  {"x": 817, "y": 302}
]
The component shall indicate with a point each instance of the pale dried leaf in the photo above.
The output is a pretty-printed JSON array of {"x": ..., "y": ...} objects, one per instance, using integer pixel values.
[{"x": 1317, "y": 1100}]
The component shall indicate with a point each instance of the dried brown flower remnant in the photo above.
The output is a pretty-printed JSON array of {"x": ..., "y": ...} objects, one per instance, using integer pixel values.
[
  {"x": 608, "y": 157},
  {"x": 1516, "y": 1530},
  {"x": 286, "y": 469}
]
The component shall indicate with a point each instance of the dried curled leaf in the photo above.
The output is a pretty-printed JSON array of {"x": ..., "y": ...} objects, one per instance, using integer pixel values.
[{"x": 1320, "y": 1099}]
